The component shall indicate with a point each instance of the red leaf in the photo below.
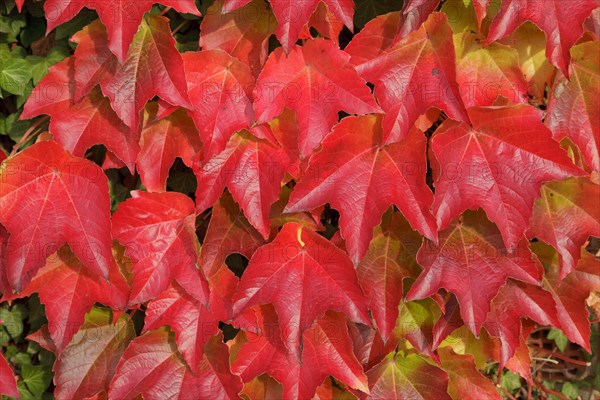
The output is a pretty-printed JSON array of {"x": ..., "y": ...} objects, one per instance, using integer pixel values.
[
  {"x": 220, "y": 90},
  {"x": 327, "y": 351},
  {"x": 162, "y": 141},
  {"x": 302, "y": 275},
  {"x": 410, "y": 76},
  {"x": 414, "y": 15},
  {"x": 562, "y": 21},
  {"x": 232, "y": 5},
  {"x": 49, "y": 198},
  {"x": 192, "y": 322},
  {"x": 94, "y": 62},
  {"x": 153, "y": 67},
  {"x": 389, "y": 260},
  {"x": 8, "y": 383},
  {"x": 78, "y": 125},
  {"x": 316, "y": 80},
  {"x": 228, "y": 232},
  {"x": 159, "y": 235},
  {"x": 244, "y": 33},
  {"x": 565, "y": 216},
  {"x": 292, "y": 16},
  {"x": 68, "y": 291},
  {"x": 513, "y": 302},
  {"x": 88, "y": 363},
  {"x": 573, "y": 109},
  {"x": 465, "y": 382},
  {"x": 252, "y": 170},
  {"x": 152, "y": 367},
  {"x": 121, "y": 17},
  {"x": 489, "y": 165},
  {"x": 409, "y": 377},
  {"x": 361, "y": 178},
  {"x": 472, "y": 262},
  {"x": 570, "y": 294}
]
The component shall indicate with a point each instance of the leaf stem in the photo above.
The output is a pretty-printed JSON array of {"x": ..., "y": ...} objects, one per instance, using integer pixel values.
[{"x": 27, "y": 134}]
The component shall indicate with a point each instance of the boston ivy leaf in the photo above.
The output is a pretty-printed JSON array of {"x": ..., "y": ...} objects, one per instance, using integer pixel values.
[
  {"x": 389, "y": 260},
  {"x": 571, "y": 293},
  {"x": 485, "y": 73},
  {"x": 465, "y": 381},
  {"x": 302, "y": 274},
  {"x": 471, "y": 261},
  {"x": 361, "y": 177},
  {"x": 121, "y": 17},
  {"x": 68, "y": 291},
  {"x": 400, "y": 377},
  {"x": 573, "y": 106},
  {"x": 220, "y": 90},
  {"x": 152, "y": 366},
  {"x": 159, "y": 235},
  {"x": 232, "y": 5},
  {"x": 244, "y": 34},
  {"x": 86, "y": 366},
  {"x": 77, "y": 126},
  {"x": 94, "y": 61},
  {"x": 162, "y": 141},
  {"x": 292, "y": 16},
  {"x": 252, "y": 170},
  {"x": 410, "y": 76},
  {"x": 7, "y": 377},
  {"x": 327, "y": 351},
  {"x": 153, "y": 67},
  {"x": 513, "y": 302},
  {"x": 193, "y": 323},
  {"x": 316, "y": 80},
  {"x": 60, "y": 199},
  {"x": 562, "y": 21},
  {"x": 489, "y": 165},
  {"x": 565, "y": 216},
  {"x": 228, "y": 232}
]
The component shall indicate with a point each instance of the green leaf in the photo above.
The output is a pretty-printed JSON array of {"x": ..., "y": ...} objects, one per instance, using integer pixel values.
[
  {"x": 37, "y": 378},
  {"x": 12, "y": 321},
  {"x": 559, "y": 338},
  {"x": 510, "y": 381},
  {"x": 15, "y": 73},
  {"x": 570, "y": 390}
]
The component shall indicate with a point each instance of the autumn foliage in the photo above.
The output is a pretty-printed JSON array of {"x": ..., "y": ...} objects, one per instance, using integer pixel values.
[{"x": 310, "y": 201}]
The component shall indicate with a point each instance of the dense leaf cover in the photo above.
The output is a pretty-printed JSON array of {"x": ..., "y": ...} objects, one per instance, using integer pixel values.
[{"x": 317, "y": 196}]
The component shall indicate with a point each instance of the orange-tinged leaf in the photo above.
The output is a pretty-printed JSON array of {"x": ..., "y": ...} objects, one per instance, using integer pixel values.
[
  {"x": 400, "y": 377},
  {"x": 471, "y": 261},
  {"x": 565, "y": 216},
  {"x": 465, "y": 381},
  {"x": 389, "y": 260},
  {"x": 86, "y": 366},
  {"x": 574, "y": 107}
]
